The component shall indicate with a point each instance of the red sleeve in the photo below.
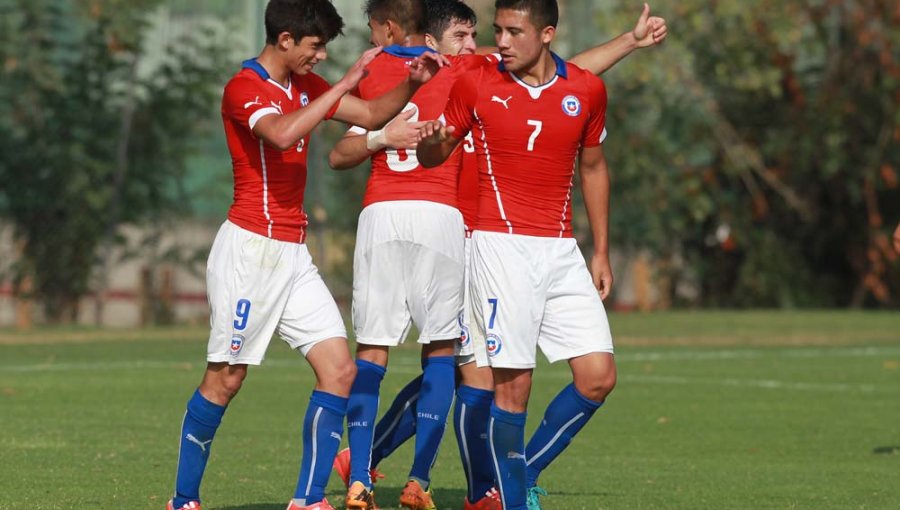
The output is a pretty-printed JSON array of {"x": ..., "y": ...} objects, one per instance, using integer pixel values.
[
  {"x": 318, "y": 86},
  {"x": 595, "y": 131},
  {"x": 461, "y": 105},
  {"x": 245, "y": 103}
]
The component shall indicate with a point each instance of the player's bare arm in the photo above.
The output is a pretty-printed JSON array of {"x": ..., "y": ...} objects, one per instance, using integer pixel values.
[
  {"x": 897, "y": 239},
  {"x": 649, "y": 31},
  {"x": 354, "y": 148},
  {"x": 595, "y": 188},
  {"x": 374, "y": 114},
  {"x": 283, "y": 131},
  {"x": 437, "y": 143}
]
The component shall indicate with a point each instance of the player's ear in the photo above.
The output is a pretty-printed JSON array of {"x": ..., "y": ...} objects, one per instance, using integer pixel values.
[
  {"x": 431, "y": 42},
  {"x": 547, "y": 34},
  {"x": 285, "y": 40}
]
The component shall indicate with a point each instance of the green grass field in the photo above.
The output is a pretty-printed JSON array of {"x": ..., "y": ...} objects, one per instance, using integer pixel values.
[{"x": 721, "y": 410}]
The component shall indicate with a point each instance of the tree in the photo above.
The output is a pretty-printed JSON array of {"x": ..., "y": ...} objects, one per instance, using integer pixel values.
[
  {"x": 759, "y": 147},
  {"x": 88, "y": 142}
]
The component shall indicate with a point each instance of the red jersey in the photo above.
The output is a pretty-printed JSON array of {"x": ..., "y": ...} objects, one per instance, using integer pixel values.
[
  {"x": 467, "y": 193},
  {"x": 397, "y": 174},
  {"x": 268, "y": 183},
  {"x": 526, "y": 141}
]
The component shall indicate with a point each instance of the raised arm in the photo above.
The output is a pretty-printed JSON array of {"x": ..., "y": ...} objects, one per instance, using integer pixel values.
[
  {"x": 649, "y": 31},
  {"x": 283, "y": 131},
  {"x": 595, "y": 188},
  {"x": 357, "y": 145},
  {"x": 374, "y": 114}
]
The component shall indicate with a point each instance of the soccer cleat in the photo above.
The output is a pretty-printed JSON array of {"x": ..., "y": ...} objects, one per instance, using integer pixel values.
[
  {"x": 321, "y": 505},
  {"x": 414, "y": 497},
  {"x": 531, "y": 499},
  {"x": 190, "y": 505},
  {"x": 341, "y": 466},
  {"x": 490, "y": 501},
  {"x": 359, "y": 497}
]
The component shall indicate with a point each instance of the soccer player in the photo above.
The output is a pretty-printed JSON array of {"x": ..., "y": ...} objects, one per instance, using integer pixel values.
[
  {"x": 260, "y": 278},
  {"x": 408, "y": 263},
  {"x": 528, "y": 282},
  {"x": 450, "y": 29}
]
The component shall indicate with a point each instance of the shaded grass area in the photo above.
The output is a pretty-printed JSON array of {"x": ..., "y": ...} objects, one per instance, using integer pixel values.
[{"x": 743, "y": 415}]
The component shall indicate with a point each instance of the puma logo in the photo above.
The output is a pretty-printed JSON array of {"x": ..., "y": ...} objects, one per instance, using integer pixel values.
[
  {"x": 504, "y": 102},
  {"x": 336, "y": 436},
  {"x": 251, "y": 103},
  {"x": 201, "y": 444},
  {"x": 515, "y": 455}
]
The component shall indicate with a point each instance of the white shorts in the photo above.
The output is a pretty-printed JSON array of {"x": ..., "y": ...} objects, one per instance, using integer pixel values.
[
  {"x": 530, "y": 292},
  {"x": 465, "y": 350},
  {"x": 408, "y": 267},
  {"x": 256, "y": 286}
]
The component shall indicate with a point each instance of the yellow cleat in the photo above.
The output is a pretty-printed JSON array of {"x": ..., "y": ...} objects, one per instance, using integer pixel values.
[{"x": 360, "y": 498}]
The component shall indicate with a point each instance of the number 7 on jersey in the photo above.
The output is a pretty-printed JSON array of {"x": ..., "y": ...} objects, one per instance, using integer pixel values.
[{"x": 537, "y": 125}]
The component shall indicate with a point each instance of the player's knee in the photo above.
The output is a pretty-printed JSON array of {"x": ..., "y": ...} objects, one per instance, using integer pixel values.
[
  {"x": 339, "y": 378},
  {"x": 599, "y": 387},
  {"x": 223, "y": 386}
]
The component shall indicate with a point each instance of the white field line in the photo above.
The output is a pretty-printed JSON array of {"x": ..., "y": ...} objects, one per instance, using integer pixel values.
[
  {"x": 763, "y": 384},
  {"x": 401, "y": 366}
]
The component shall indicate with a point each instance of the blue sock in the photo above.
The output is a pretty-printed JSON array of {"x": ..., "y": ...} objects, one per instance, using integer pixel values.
[
  {"x": 473, "y": 412},
  {"x": 506, "y": 436},
  {"x": 322, "y": 429},
  {"x": 361, "y": 413},
  {"x": 565, "y": 416},
  {"x": 435, "y": 400},
  {"x": 398, "y": 424},
  {"x": 197, "y": 431}
]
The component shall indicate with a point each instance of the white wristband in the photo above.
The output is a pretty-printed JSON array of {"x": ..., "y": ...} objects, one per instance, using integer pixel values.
[{"x": 375, "y": 140}]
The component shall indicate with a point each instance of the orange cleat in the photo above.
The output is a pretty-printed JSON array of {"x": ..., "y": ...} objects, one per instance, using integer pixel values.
[
  {"x": 490, "y": 501},
  {"x": 341, "y": 466},
  {"x": 321, "y": 505},
  {"x": 414, "y": 497},
  {"x": 360, "y": 498}
]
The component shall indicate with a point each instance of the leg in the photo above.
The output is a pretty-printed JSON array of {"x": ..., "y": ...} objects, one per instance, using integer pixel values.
[
  {"x": 324, "y": 422},
  {"x": 435, "y": 400},
  {"x": 205, "y": 409},
  {"x": 472, "y": 414},
  {"x": 595, "y": 376},
  {"x": 506, "y": 434},
  {"x": 399, "y": 422},
  {"x": 371, "y": 363}
]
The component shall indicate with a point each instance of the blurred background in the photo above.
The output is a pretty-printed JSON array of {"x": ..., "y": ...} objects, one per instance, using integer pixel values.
[{"x": 754, "y": 156}]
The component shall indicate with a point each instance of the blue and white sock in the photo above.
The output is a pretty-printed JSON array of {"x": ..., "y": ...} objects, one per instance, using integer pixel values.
[
  {"x": 197, "y": 431},
  {"x": 506, "y": 436},
  {"x": 398, "y": 424},
  {"x": 472, "y": 414},
  {"x": 435, "y": 400},
  {"x": 322, "y": 429},
  {"x": 564, "y": 417},
  {"x": 361, "y": 412}
]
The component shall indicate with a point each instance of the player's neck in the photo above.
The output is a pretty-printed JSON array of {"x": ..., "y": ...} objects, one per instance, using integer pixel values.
[
  {"x": 541, "y": 72},
  {"x": 271, "y": 62},
  {"x": 414, "y": 40}
]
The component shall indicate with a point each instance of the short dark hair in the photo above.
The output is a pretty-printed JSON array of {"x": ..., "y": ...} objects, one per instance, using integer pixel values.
[
  {"x": 544, "y": 13},
  {"x": 409, "y": 14},
  {"x": 439, "y": 14},
  {"x": 302, "y": 18}
]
